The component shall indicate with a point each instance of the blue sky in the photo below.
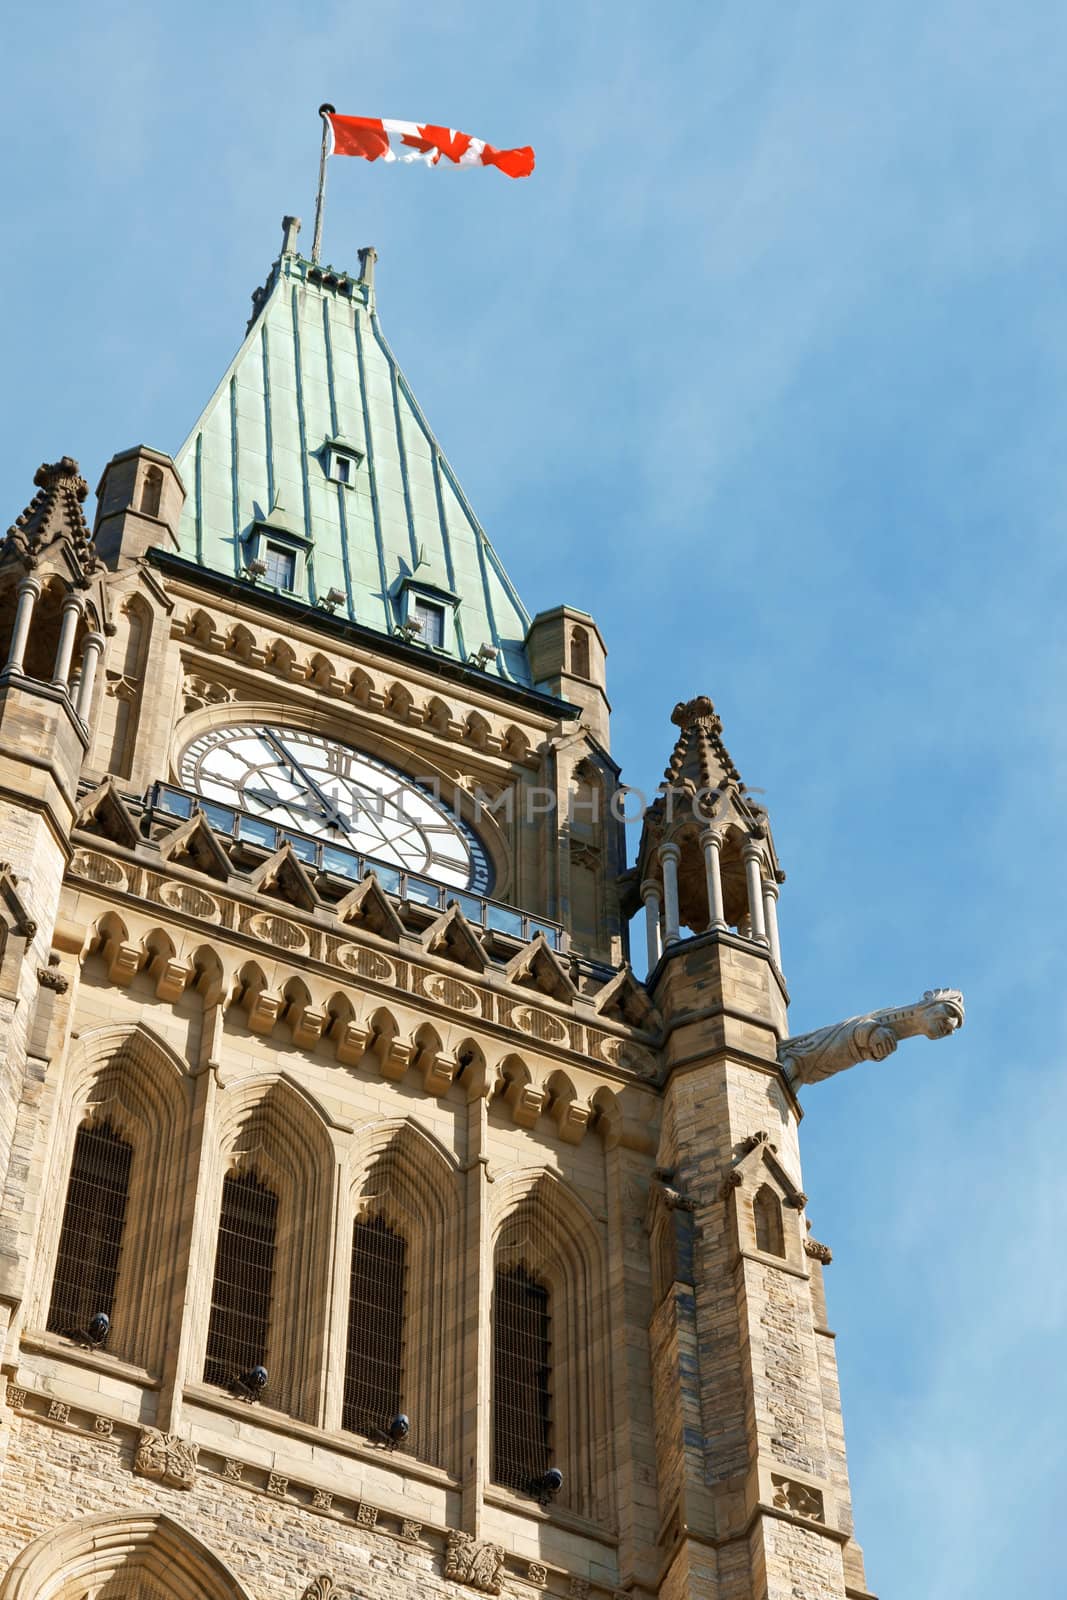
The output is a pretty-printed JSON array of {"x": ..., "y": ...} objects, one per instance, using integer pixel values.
[{"x": 765, "y": 367}]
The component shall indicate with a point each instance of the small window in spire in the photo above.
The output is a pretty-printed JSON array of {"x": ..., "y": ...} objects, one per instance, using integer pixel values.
[
  {"x": 341, "y": 465},
  {"x": 431, "y": 620},
  {"x": 280, "y": 564}
]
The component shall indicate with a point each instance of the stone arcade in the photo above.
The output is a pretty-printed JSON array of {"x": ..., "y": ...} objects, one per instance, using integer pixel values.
[{"x": 369, "y": 1227}]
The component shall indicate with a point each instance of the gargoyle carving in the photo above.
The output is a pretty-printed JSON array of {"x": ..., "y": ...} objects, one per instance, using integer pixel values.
[{"x": 813, "y": 1056}]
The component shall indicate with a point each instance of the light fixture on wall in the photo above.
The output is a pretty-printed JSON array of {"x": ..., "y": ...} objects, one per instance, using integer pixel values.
[
  {"x": 410, "y": 630},
  {"x": 332, "y": 599},
  {"x": 255, "y": 569},
  {"x": 483, "y": 657},
  {"x": 251, "y": 1384}
]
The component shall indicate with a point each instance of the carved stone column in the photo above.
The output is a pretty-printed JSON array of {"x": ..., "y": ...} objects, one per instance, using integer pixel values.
[
  {"x": 91, "y": 652},
  {"x": 28, "y": 591},
  {"x": 72, "y": 610},
  {"x": 668, "y": 856},
  {"x": 770, "y": 915},
  {"x": 711, "y": 844},
  {"x": 653, "y": 934},
  {"x": 753, "y": 858}
]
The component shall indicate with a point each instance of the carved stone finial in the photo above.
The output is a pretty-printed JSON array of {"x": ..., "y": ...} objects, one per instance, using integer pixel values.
[
  {"x": 367, "y": 257},
  {"x": 813, "y": 1056},
  {"x": 54, "y": 517},
  {"x": 697, "y": 713}
]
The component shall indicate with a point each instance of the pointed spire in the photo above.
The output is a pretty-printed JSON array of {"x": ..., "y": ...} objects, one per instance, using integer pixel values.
[
  {"x": 53, "y": 523},
  {"x": 699, "y": 755}
]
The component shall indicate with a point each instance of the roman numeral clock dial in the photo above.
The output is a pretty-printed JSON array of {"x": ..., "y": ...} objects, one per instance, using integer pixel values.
[{"x": 319, "y": 786}]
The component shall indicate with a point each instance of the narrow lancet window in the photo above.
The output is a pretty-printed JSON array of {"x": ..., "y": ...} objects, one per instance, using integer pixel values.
[
  {"x": 522, "y": 1404},
  {"x": 90, "y": 1242},
  {"x": 375, "y": 1357},
  {"x": 241, "y": 1297},
  {"x": 767, "y": 1213}
]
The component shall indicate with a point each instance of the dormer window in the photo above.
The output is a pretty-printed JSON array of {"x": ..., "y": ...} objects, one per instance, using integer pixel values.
[
  {"x": 430, "y": 606},
  {"x": 280, "y": 563},
  {"x": 431, "y": 620},
  {"x": 341, "y": 461}
]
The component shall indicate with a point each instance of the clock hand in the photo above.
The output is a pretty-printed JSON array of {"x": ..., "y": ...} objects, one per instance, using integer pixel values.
[
  {"x": 329, "y": 808},
  {"x": 273, "y": 802}
]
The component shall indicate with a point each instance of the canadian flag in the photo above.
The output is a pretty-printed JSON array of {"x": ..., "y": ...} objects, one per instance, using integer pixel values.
[{"x": 376, "y": 139}]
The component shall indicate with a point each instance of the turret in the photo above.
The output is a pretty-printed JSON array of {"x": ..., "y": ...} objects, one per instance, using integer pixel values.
[
  {"x": 51, "y": 640},
  {"x": 567, "y": 657},
  {"x": 707, "y": 861},
  {"x": 139, "y": 506}
]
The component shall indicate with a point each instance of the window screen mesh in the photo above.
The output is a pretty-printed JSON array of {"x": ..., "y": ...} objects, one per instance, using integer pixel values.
[
  {"x": 521, "y": 1380},
  {"x": 375, "y": 1365},
  {"x": 239, "y": 1328},
  {"x": 90, "y": 1242}
]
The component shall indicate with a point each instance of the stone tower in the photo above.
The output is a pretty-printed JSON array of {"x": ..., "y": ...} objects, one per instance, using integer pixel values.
[{"x": 367, "y": 1223}]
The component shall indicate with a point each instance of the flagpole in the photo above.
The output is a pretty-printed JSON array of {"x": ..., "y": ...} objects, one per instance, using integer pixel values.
[{"x": 316, "y": 242}]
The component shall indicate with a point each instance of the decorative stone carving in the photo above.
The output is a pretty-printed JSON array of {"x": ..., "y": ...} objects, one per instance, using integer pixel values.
[
  {"x": 58, "y": 1412},
  {"x": 813, "y": 1056},
  {"x": 322, "y": 1500},
  {"x": 473, "y": 1561},
  {"x": 411, "y": 1531},
  {"x": 278, "y": 931},
  {"x": 528, "y": 1019},
  {"x": 537, "y": 1574},
  {"x": 50, "y": 977},
  {"x": 797, "y": 1497},
  {"x": 818, "y": 1252},
  {"x": 579, "y": 1589},
  {"x": 277, "y": 1485},
  {"x": 98, "y": 869},
  {"x": 321, "y": 1588},
  {"x": 103, "y": 1426},
  {"x": 232, "y": 1470},
  {"x": 797, "y": 1201},
  {"x": 166, "y": 1457},
  {"x": 16, "y": 1398},
  {"x": 668, "y": 1194},
  {"x": 366, "y": 1515},
  {"x": 188, "y": 898},
  {"x": 733, "y": 1180}
]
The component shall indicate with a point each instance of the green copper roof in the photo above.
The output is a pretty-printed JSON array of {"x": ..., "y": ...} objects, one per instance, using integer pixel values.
[{"x": 315, "y": 372}]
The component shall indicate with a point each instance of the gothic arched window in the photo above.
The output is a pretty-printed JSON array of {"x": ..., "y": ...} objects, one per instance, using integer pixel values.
[
  {"x": 522, "y": 1379},
  {"x": 94, "y": 1219},
  {"x": 374, "y": 1369},
  {"x": 767, "y": 1215},
  {"x": 151, "y": 492},
  {"x": 579, "y": 652},
  {"x": 242, "y": 1293}
]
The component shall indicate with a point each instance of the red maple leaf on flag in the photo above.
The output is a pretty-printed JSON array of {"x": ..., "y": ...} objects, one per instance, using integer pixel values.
[{"x": 445, "y": 141}]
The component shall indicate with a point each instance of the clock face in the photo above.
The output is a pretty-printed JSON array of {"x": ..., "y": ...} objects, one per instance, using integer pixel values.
[{"x": 316, "y": 785}]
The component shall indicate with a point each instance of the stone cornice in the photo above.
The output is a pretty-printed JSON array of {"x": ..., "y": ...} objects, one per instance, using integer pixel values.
[{"x": 342, "y": 632}]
